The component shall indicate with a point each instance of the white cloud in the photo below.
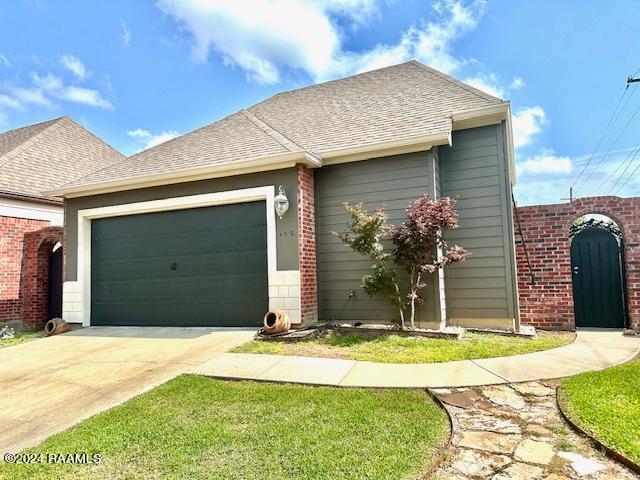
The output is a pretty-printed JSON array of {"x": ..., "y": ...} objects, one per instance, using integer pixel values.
[
  {"x": 488, "y": 83},
  {"x": 546, "y": 162},
  {"x": 9, "y": 102},
  {"x": 74, "y": 65},
  {"x": 125, "y": 35},
  {"x": 262, "y": 40},
  {"x": 527, "y": 122},
  {"x": 42, "y": 92},
  {"x": 148, "y": 140},
  {"x": 4, "y": 60},
  {"x": 30, "y": 96},
  {"x": 54, "y": 86},
  {"x": 492, "y": 84},
  {"x": 86, "y": 96},
  {"x": 517, "y": 83},
  {"x": 49, "y": 82}
]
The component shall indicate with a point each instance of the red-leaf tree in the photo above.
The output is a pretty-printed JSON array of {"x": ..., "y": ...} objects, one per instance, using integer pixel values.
[
  {"x": 419, "y": 243},
  {"x": 419, "y": 247}
]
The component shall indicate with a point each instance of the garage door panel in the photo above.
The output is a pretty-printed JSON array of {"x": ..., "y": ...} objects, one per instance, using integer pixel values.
[{"x": 196, "y": 267}]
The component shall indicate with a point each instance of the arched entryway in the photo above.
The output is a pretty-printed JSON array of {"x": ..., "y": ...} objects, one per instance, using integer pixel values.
[
  {"x": 42, "y": 275},
  {"x": 597, "y": 272}
]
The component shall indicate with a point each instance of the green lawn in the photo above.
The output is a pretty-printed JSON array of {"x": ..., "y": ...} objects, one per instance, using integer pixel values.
[
  {"x": 607, "y": 405},
  {"x": 194, "y": 427},
  {"x": 22, "y": 337},
  {"x": 403, "y": 349}
]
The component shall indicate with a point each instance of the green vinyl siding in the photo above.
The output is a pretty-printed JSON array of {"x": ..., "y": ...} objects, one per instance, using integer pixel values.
[
  {"x": 475, "y": 171},
  {"x": 389, "y": 182}
]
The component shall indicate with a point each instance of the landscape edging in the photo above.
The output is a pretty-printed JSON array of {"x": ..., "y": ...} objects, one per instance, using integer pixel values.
[{"x": 610, "y": 452}]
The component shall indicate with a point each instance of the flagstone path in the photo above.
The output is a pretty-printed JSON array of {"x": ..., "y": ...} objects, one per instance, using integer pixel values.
[{"x": 515, "y": 432}]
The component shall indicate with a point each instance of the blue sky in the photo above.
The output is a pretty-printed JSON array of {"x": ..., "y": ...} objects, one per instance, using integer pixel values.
[{"x": 136, "y": 73}]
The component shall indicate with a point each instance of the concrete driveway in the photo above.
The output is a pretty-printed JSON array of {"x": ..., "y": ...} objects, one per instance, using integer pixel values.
[{"x": 49, "y": 385}]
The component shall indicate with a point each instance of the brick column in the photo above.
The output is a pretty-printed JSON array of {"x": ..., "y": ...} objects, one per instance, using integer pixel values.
[{"x": 307, "y": 245}]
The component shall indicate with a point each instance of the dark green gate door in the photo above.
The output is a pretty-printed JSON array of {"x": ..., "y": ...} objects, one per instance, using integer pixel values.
[
  {"x": 597, "y": 279},
  {"x": 197, "y": 267}
]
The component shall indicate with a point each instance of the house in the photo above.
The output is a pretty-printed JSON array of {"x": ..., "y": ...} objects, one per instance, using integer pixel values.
[
  {"x": 34, "y": 159},
  {"x": 185, "y": 233}
]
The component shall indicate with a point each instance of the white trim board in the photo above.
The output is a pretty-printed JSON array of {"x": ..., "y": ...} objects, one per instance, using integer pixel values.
[
  {"x": 82, "y": 287},
  {"x": 31, "y": 210}
]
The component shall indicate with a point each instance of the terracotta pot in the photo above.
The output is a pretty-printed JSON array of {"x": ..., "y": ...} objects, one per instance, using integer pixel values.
[
  {"x": 56, "y": 326},
  {"x": 276, "y": 321}
]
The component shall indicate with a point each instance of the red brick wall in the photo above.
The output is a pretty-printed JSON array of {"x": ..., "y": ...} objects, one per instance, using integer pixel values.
[
  {"x": 549, "y": 303},
  {"x": 35, "y": 277},
  {"x": 12, "y": 231},
  {"x": 307, "y": 245},
  {"x": 24, "y": 268}
]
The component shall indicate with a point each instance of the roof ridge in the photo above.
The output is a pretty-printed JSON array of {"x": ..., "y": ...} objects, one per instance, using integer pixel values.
[
  {"x": 274, "y": 133},
  {"x": 455, "y": 81},
  {"x": 69, "y": 119},
  {"x": 333, "y": 81},
  {"x": 31, "y": 140}
]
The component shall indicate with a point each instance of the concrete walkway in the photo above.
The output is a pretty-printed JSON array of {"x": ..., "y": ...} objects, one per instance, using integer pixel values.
[
  {"x": 592, "y": 350},
  {"x": 50, "y": 384}
]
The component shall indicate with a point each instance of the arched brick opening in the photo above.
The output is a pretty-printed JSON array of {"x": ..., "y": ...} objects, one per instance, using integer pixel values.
[
  {"x": 548, "y": 303},
  {"x": 38, "y": 246}
]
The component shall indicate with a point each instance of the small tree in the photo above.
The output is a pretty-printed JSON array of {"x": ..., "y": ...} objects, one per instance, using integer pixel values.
[
  {"x": 419, "y": 248},
  {"x": 419, "y": 244},
  {"x": 364, "y": 236}
]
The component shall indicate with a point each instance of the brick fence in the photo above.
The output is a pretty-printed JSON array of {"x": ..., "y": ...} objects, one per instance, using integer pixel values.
[{"x": 549, "y": 302}]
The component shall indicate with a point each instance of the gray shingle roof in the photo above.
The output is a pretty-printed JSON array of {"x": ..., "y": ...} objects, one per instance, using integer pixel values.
[
  {"x": 388, "y": 104},
  {"x": 43, "y": 156}
]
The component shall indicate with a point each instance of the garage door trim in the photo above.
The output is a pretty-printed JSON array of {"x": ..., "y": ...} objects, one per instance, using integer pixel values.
[{"x": 266, "y": 193}]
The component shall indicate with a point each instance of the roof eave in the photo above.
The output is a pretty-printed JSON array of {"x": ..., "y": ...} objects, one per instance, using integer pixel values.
[
  {"x": 270, "y": 162},
  {"x": 29, "y": 198},
  {"x": 384, "y": 149}
]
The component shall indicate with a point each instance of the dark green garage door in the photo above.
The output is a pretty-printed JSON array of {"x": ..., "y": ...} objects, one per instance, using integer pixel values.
[{"x": 196, "y": 267}]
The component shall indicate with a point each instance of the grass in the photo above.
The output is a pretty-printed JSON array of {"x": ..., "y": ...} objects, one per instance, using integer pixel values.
[
  {"x": 21, "y": 337},
  {"x": 195, "y": 427},
  {"x": 404, "y": 349},
  {"x": 607, "y": 405}
]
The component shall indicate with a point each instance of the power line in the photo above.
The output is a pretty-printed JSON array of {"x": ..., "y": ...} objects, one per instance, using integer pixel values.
[
  {"x": 628, "y": 178},
  {"x": 630, "y": 175},
  {"x": 628, "y": 159},
  {"x": 603, "y": 135},
  {"x": 624, "y": 129}
]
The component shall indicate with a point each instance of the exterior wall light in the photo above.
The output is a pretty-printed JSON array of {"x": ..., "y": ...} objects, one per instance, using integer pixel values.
[{"x": 281, "y": 202}]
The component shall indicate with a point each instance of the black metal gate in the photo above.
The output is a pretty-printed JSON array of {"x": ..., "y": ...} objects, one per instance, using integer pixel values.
[
  {"x": 597, "y": 271},
  {"x": 55, "y": 284}
]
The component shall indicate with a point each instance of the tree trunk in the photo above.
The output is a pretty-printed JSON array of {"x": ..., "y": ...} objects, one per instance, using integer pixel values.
[
  {"x": 402, "y": 327},
  {"x": 414, "y": 295}
]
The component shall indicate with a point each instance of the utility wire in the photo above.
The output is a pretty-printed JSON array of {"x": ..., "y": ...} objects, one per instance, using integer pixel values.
[
  {"x": 603, "y": 135},
  {"x": 626, "y": 163},
  {"x": 630, "y": 175},
  {"x": 624, "y": 129}
]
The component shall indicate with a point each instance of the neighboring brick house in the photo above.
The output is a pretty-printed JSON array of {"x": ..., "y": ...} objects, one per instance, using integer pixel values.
[
  {"x": 185, "y": 233},
  {"x": 34, "y": 159}
]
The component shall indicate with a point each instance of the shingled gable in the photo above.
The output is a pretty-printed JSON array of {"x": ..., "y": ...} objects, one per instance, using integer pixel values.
[{"x": 43, "y": 156}]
